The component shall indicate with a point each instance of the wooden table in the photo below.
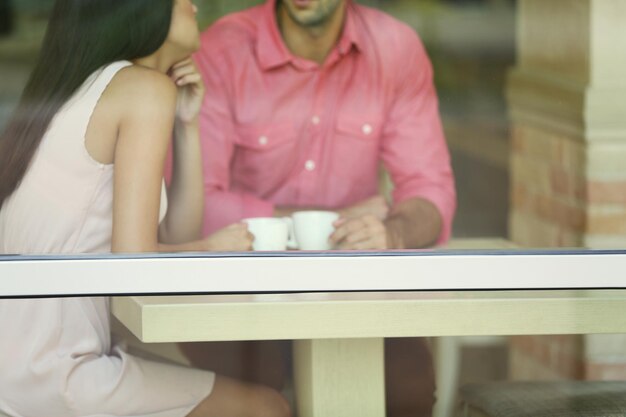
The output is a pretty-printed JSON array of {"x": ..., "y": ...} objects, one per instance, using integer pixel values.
[
  {"x": 338, "y": 353},
  {"x": 338, "y": 307}
]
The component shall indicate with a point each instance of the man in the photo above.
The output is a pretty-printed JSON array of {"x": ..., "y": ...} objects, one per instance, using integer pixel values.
[{"x": 305, "y": 99}]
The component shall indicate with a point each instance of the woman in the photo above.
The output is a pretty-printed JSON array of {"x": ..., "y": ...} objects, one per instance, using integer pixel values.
[{"x": 81, "y": 168}]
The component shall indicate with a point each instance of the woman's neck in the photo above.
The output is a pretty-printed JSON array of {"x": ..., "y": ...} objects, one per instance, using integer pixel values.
[
  {"x": 160, "y": 61},
  {"x": 153, "y": 63}
]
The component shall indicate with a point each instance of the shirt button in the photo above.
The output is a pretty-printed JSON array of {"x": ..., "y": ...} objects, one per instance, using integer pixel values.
[
  {"x": 310, "y": 165},
  {"x": 263, "y": 140},
  {"x": 367, "y": 129},
  {"x": 315, "y": 120}
]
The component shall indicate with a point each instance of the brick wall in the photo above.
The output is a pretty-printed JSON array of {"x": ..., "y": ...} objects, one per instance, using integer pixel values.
[
  {"x": 568, "y": 160},
  {"x": 547, "y": 189},
  {"x": 566, "y": 192}
]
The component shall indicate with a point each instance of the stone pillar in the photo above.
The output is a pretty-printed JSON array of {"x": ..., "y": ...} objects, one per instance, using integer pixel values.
[{"x": 567, "y": 102}]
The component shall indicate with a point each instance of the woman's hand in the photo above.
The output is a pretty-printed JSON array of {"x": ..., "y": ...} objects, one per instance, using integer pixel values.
[
  {"x": 190, "y": 90},
  {"x": 233, "y": 238}
]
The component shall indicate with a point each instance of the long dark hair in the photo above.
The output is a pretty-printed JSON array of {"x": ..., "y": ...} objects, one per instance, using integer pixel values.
[{"x": 82, "y": 36}]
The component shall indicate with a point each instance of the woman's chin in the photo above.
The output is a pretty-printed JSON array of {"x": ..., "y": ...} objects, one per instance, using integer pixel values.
[{"x": 191, "y": 46}]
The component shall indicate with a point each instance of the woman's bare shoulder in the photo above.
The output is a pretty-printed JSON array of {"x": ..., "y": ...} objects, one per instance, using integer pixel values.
[{"x": 136, "y": 87}]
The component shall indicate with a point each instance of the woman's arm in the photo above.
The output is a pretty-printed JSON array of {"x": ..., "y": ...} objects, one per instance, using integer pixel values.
[
  {"x": 146, "y": 101},
  {"x": 233, "y": 238},
  {"x": 183, "y": 222},
  {"x": 181, "y": 228}
]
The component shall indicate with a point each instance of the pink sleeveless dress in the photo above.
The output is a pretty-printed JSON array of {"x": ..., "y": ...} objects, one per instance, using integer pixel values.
[{"x": 56, "y": 355}]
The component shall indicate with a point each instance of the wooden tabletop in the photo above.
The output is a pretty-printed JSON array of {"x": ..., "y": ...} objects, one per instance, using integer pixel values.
[{"x": 363, "y": 315}]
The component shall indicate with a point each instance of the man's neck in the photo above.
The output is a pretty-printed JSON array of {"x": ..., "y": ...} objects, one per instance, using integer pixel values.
[{"x": 311, "y": 42}]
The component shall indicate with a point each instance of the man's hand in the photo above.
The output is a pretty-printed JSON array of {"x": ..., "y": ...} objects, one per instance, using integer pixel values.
[
  {"x": 366, "y": 232},
  {"x": 414, "y": 223},
  {"x": 376, "y": 206}
]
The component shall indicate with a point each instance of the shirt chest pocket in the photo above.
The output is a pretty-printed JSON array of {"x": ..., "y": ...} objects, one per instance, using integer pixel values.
[
  {"x": 364, "y": 130},
  {"x": 264, "y": 153},
  {"x": 265, "y": 138},
  {"x": 356, "y": 150}
]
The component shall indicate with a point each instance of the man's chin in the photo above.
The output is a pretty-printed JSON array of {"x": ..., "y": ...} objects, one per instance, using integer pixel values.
[
  {"x": 311, "y": 13},
  {"x": 309, "y": 18}
]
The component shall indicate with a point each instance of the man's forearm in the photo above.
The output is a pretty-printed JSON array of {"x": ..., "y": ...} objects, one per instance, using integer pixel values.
[{"x": 413, "y": 224}]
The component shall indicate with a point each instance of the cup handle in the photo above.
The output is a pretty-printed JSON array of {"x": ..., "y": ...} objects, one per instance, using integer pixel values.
[{"x": 291, "y": 241}]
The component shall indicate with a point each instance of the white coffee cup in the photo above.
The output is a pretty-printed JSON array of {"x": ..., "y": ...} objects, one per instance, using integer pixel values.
[
  {"x": 270, "y": 234},
  {"x": 312, "y": 229}
]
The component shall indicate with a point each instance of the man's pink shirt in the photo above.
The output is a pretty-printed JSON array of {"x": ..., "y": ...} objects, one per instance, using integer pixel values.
[{"x": 281, "y": 131}]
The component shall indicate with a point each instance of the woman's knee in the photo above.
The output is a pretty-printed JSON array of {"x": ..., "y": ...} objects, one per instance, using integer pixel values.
[
  {"x": 270, "y": 403},
  {"x": 258, "y": 362}
]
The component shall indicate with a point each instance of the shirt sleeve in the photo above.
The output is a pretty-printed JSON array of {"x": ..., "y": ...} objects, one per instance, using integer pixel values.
[
  {"x": 414, "y": 148},
  {"x": 217, "y": 139}
]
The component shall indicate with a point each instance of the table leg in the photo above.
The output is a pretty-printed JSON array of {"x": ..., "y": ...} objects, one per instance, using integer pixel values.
[{"x": 339, "y": 377}]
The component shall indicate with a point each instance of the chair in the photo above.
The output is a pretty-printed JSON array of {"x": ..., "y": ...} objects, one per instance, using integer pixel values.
[{"x": 545, "y": 399}]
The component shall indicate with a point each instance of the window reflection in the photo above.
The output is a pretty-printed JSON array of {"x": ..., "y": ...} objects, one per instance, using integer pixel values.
[{"x": 532, "y": 118}]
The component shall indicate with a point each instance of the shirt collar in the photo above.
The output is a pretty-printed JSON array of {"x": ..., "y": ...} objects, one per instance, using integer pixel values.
[
  {"x": 351, "y": 35},
  {"x": 271, "y": 49}
]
